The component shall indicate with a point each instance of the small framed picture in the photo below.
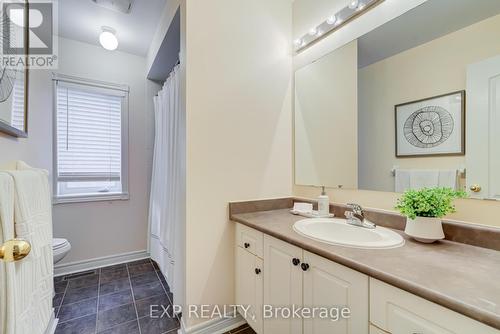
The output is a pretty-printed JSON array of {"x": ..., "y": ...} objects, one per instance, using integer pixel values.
[{"x": 431, "y": 127}]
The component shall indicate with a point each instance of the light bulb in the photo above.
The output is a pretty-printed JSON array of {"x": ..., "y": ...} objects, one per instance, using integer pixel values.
[
  {"x": 297, "y": 42},
  {"x": 108, "y": 39},
  {"x": 313, "y": 31},
  {"x": 331, "y": 20},
  {"x": 360, "y": 7},
  {"x": 339, "y": 21},
  {"x": 353, "y": 4},
  {"x": 320, "y": 33}
]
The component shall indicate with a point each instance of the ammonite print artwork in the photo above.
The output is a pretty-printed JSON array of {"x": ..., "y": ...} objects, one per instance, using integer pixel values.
[
  {"x": 428, "y": 127},
  {"x": 433, "y": 126}
]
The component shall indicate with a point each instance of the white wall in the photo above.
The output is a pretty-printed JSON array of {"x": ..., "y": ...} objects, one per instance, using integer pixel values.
[
  {"x": 94, "y": 229},
  {"x": 167, "y": 15},
  {"x": 106, "y": 228},
  {"x": 36, "y": 150},
  {"x": 238, "y": 93}
]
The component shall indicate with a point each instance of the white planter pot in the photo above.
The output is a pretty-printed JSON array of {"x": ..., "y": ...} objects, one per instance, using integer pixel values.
[{"x": 425, "y": 229}]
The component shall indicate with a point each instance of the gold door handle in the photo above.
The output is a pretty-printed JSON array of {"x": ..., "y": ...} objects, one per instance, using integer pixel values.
[
  {"x": 14, "y": 250},
  {"x": 475, "y": 188}
]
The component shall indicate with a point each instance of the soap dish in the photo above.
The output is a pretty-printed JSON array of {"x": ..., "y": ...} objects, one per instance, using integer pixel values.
[{"x": 313, "y": 214}]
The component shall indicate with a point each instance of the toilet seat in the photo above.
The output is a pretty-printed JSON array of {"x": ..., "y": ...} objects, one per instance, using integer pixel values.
[
  {"x": 60, "y": 248},
  {"x": 59, "y": 243}
]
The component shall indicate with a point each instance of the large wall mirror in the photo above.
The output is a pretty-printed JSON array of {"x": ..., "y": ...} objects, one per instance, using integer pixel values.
[
  {"x": 414, "y": 103},
  {"x": 13, "y": 70}
]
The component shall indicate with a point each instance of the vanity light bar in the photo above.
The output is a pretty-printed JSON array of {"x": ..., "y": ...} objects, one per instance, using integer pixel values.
[{"x": 354, "y": 9}]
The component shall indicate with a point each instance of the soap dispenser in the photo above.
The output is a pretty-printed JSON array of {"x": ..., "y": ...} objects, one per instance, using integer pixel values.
[{"x": 323, "y": 204}]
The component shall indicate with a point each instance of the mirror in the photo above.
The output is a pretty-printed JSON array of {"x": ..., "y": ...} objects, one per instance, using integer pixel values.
[
  {"x": 414, "y": 103},
  {"x": 14, "y": 76}
]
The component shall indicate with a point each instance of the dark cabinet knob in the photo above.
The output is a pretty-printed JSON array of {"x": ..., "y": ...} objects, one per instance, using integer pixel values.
[
  {"x": 295, "y": 261},
  {"x": 257, "y": 271},
  {"x": 304, "y": 266},
  {"x": 246, "y": 244}
]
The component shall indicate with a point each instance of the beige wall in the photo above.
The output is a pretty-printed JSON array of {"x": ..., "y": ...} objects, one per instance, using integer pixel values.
[
  {"x": 435, "y": 68},
  {"x": 238, "y": 56},
  {"x": 474, "y": 211},
  {"x": 94, "y": 229},
  {"x": 326, "y": 131}
]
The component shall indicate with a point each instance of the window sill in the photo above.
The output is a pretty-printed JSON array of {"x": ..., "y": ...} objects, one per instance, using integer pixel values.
[{"x": 90, "y": 198}]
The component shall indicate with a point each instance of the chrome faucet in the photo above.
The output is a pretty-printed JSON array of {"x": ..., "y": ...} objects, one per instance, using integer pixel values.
[{"x": 356, "y": 217}]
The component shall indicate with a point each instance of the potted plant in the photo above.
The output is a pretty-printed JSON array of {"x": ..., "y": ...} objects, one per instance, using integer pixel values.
[{"x": 424, "y": 210}]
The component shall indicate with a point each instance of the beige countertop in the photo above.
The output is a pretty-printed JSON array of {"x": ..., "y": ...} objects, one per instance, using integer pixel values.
[{"x": 460, "y": 277}]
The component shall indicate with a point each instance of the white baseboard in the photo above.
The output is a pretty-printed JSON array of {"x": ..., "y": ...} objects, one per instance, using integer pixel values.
[
  {"x": 214, "y": 326},
  {"x": 77, "y": 266},
  {"x": 51, "y": 328}
]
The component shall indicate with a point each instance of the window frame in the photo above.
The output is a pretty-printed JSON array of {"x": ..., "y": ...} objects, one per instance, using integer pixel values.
[{"x": 124, "y": 194}]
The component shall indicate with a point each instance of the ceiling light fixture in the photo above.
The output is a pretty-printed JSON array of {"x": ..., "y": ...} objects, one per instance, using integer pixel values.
[
  {"x": 108, "y": 39},
  {"x": 352, "y": 10}
]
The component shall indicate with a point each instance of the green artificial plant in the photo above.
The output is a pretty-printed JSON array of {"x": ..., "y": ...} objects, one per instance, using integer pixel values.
[{"x": 428, "y": 202}]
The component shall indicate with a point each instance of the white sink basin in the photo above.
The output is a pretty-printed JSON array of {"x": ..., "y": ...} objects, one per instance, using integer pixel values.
[{"x": 336, "y": 231}]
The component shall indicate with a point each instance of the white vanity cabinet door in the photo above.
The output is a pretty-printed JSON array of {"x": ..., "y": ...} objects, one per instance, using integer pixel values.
[
  {"x": 249, "y": 288},
  {"x": 328, "y": 284},
  {"x": 282, "y": 284},
  {"x": 399, "y": 312}
]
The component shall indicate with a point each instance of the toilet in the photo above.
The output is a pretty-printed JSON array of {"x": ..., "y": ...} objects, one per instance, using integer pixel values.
[{"x": 61, "y": 248}]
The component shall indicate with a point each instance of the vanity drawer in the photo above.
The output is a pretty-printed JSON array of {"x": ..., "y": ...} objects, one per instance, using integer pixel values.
[
  {"x": 399, "y": 312},
  {"x": 250, "y": 239}
]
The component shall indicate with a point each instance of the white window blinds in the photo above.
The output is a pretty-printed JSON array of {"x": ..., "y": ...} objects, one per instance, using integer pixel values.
[
  {"x": 89, "y": 134},
  {"x": 18, "y": 105}
]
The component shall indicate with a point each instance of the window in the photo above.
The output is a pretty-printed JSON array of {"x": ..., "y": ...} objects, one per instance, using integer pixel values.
[
  {"x": 17, "y": 120},
  {"x": 91, "y": 136}
]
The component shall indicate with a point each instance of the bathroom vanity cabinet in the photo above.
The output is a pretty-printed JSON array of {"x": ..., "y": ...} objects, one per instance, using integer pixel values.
[
  {"x": 248, "y": 276},
  {"x": 292, "y": 276},
  {"x": 273, "y": 272}
]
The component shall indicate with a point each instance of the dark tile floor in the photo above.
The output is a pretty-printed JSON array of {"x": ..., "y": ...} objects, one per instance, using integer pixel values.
[{"x": 115, "y": 300}]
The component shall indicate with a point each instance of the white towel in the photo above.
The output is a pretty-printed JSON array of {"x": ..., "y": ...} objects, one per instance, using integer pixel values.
[
  {"x": 448, "y": 178},
  {"x": 32, "y": 278},
  {"x": 421, "y": 178},
  {"x": 416, "y": 179},
  {"x": 402, "y": 180}
]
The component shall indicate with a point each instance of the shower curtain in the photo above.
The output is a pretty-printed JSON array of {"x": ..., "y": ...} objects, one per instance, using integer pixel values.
[{"x": 167, "y": 200}]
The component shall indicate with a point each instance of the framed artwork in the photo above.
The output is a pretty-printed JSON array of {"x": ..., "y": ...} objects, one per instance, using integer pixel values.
[
  {"x": 431, "y": 127},
  {"x": 14, "y": 78}
]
